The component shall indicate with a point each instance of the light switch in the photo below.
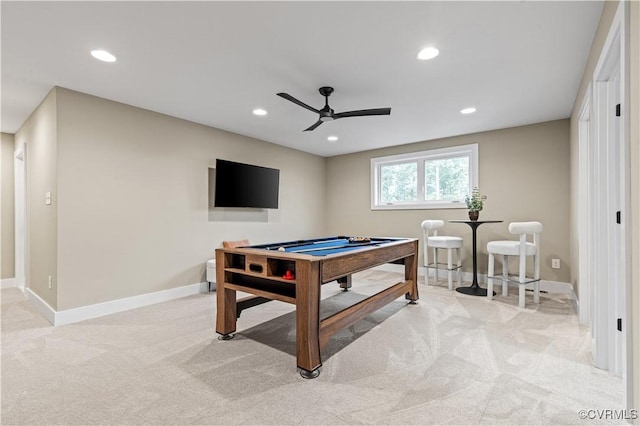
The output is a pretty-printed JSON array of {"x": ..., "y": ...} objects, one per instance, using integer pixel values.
[{"x": 47, "y": 198}]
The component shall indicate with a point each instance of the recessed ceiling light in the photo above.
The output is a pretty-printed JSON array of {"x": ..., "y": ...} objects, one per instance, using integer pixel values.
[
  {"x": 428, "y": 53},
  {"x": 469, "y": 110},
  {"x": 259, "y": 111},
  {"x": 103, "y": 55},
  {"x": 332, "y": 138}
]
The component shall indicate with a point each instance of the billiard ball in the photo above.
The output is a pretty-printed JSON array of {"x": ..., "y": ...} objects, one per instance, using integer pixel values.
[
  {"x": 288, "y": 275},
  {"x": 280, "y": 248}
]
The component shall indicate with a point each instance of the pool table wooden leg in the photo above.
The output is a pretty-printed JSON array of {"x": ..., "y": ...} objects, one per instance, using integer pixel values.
[
  {"x": 225, "y": 302},
  {"x": 411, "y": 274},
  {"x": 308, "y": 318}
]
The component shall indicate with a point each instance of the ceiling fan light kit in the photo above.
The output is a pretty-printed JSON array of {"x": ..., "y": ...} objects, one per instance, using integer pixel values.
[{"x": 327, "y": 113}]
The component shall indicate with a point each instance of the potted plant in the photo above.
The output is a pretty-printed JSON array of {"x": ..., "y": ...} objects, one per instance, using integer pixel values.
[{"x": 475, "y": 202}]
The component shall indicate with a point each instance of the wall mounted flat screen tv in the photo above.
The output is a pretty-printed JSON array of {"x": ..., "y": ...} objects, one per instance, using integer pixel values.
[{"x": 246, "y": 185}]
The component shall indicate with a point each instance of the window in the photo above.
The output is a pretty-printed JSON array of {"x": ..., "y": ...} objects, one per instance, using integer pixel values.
[{"x": 435, "y": 179}]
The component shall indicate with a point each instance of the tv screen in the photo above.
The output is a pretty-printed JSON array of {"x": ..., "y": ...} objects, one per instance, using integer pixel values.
[{"x": 245, "y": 185}]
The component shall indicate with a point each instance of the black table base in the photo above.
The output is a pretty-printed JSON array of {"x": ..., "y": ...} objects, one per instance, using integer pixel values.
[{"x": 473, "y": 291}]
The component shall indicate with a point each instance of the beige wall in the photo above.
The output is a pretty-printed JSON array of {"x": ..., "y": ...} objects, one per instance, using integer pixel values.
[
  {"x": 40, "y": 136},
  {"x": 7, "y": 223},
  {"x": 524, "y": 171},
  {"x": 133, "y": 199}
]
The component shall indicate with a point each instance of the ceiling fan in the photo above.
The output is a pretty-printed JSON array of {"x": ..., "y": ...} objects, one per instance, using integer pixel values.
[{"x": 327, "y": 114}]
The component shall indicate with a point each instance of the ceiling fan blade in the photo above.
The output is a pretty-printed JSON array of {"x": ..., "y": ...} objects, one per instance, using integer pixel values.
[
  {"x": 314, "y": 125},
  {"x": 363, "y": 112},
  {"x": 297, "y": 102}
]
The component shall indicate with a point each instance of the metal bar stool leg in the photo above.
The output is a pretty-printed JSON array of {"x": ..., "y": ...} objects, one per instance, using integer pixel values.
[
  {"x": 536, "y": 276},
  {"x": 426, "y": 264},
  {"x": 459, "y": 267},
  {"x": 490, "y": 277},
  {"x": 505, "y": 275},
  {"x": 450, "y": 268},
  {"x": 435, "y": 263}
]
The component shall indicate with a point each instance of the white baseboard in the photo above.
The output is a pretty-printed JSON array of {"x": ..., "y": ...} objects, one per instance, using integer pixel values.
[
  {"x": 70, "y": 316},
  {"x": 41, "y": 306},
  {"x": 8, "y": 283},
  {"x": 557, "y": 287}
]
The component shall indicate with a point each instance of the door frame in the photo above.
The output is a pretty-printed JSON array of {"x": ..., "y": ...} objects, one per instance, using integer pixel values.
[
  {"x": 20, "y": 207},
  {"x": 585, "y": 216}
]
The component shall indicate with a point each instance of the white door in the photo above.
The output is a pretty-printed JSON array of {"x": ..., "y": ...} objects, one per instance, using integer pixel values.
[
  {"x": 616, "y": 263},
  {"x": 607, "y": 202}
]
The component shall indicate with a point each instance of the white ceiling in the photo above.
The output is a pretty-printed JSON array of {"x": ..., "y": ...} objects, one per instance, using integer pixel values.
[{"x": 214, "y": 62}]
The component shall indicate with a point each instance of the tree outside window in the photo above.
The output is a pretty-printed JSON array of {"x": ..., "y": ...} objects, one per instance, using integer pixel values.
[
  {"x": 446, "y": 179},
  {"x": 399, "y": 183},
  {"x": 435, "y": 179}
]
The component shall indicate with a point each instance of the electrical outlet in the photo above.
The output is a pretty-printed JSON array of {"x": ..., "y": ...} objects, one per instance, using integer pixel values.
[
  {"x": 49, "y": 282},
  {"x": 555, "y": 263}
]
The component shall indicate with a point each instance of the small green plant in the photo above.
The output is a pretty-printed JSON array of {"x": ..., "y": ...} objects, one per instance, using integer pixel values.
[{"x": 476, "y": 201}]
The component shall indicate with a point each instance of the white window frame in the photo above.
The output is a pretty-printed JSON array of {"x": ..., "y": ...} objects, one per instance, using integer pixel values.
[{"x": 470, "y": 151}]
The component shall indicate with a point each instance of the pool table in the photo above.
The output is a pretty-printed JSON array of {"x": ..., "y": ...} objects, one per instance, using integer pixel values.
[{"x": 293, "y": 272}]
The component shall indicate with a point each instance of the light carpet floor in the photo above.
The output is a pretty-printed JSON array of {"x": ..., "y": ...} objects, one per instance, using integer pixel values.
[{"x": 450, "y": 359}]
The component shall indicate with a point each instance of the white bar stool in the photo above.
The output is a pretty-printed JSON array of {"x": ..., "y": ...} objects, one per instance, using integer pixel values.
[
  {"x": 436, "y": 242},
  {"x": 522, "y": 249}
]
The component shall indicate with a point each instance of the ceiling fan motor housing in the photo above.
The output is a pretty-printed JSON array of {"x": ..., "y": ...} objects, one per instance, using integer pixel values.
[{"x": 326, "y": 114}]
